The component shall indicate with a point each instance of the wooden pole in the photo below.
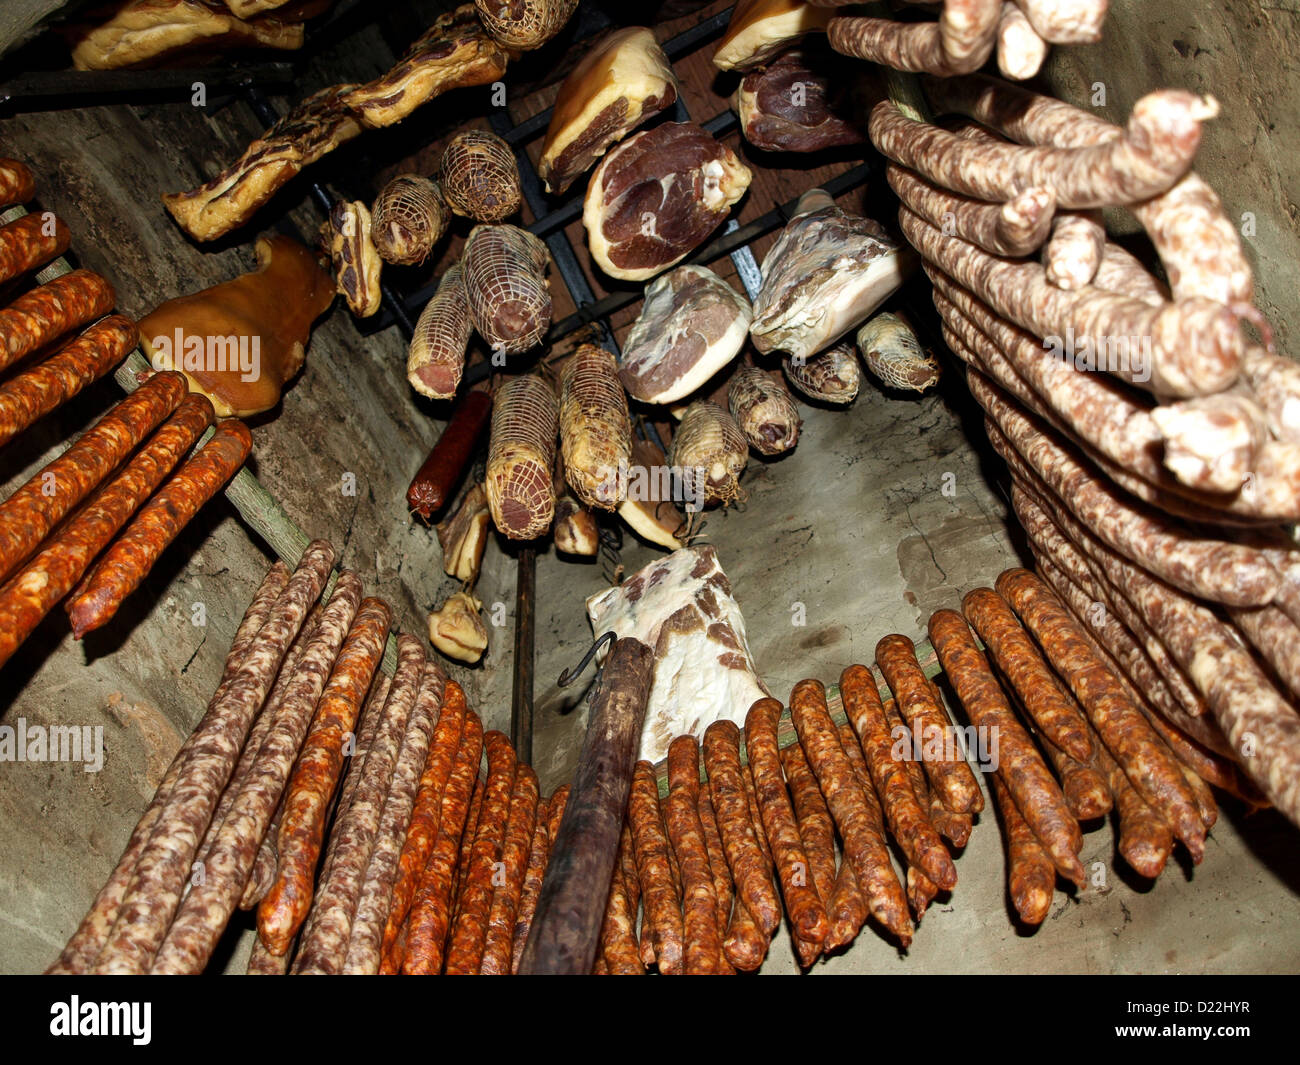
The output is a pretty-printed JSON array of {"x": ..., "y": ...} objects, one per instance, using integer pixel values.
[{"x": 565, "y": 933}]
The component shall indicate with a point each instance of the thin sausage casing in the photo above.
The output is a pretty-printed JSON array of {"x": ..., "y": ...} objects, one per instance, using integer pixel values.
[
  {"x": 1153, "y": 771},
  {"x": 772, "y": 807},
  {"x": 49, "y": 311},
  {"x": 1032, "y": 786},
  {"x": 702, "y": 947},
  {"x": 864, "y": 845},
  {"x": 1016, "y": 656},
  {"x": 662, "y": 925},
  {"x": 1031, "y": 874}
]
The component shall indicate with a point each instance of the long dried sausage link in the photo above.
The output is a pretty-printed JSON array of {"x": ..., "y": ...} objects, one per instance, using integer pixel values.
[
  {"x": 1021, "y": 766},
  {"x": 1220, "y": 570},
  {"x": 618, "y": 943},
  {"x": 1086, "y": 793},
  {"x": 1020, "y": 291},
  {"x": 702, "y": 946},
  {"x": 469, "y": 930},
  {"x": 1197, "y": 244},
  {"x": 817, "y": 830},
  {"x": 1145, "y": 839},
  {"x": 17, "y": 184},
  {"x": 1014, "y": 228},
  {"x": 48, "y": 311},
  {"x": 864, "y": 845},
  {"x": 538, "y": 855},
  {"x": 423, "y": 828},
  {"x": 28, "y": 515},
  {"x": 232, "y": 849},
  {"x": 1156, "y": 150},
  {"x": 316, "y": 774},
  {"x": 960, "y": 41},
  {"x": 846, "y": 907},
  {"x": 1066, "y": 21},
  {"x": 1021, "y": 50},
  {"x": 772, "y": 807},
  {"x": 723, "y": 887},
  {"x": 85, "y": 358},
  {"x": 422, "y": 951},
  {"x": 951, "y": 776},
  {"x": 31, "y": 241},
  {"x": 1031, "y": 874},
  {"x": 133, "y": 554},
  {"x": 325, "y": 938},
  {"x": 90, "y": 935},
  {"x": 662, "y": 930},
  {"x": 514, "y": 866},
  {"x": 1126, "y": 733},
  {"x": 627, "y": 858},
  {"x": 907, "y": 820},
  {"x": 466, "y": 844},
  {"x": 1073, "y": 253},
  {"x": 1014, "y": 653},
  {"x": 57, "y": 567},
  {"x": 745, "y": 858},
  {"x": 164, "y": 864}
]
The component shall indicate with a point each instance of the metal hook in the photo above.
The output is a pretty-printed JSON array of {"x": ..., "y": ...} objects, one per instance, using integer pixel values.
[{"x": 569, "y": 676}]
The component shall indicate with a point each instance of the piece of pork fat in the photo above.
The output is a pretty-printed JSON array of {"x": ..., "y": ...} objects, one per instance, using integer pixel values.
[
  {"x": 796, "y": 104},
  {"x": 682, "y": 606},
  {"x": 691, "y": 325},
  {"x": 827, "y": 271},
  {"x": 657, "y": 196}
]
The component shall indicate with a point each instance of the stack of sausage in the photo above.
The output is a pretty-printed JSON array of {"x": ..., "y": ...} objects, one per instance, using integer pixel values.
[
  {"x": 55, "y": 525},
  {"x": 1153, "y": 445},
  {"x": 968, "y": 32}
]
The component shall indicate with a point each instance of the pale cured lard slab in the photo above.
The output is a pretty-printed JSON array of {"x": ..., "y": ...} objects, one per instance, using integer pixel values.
[{"x": 682, "y": 606}]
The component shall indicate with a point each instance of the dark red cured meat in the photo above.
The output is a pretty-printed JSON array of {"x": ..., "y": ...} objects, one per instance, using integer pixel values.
[
  {"x": 35, "y": 392},
  {"x": 749, "y": 869},
  {"x": 129, "y": 560},
  {"x": 31, "y": 241},
  {"x": 422, "y": 832},
  {"x": 45, "y": 313},
  {"x": 1016, "y": 656},
  {"x": 863, "y": 841},
  {"x": 59, "y": 565},
  {"x": 773, "y": 119},
  {"x": 40, "y": 504},
  {"x": 436, "y": 480}
]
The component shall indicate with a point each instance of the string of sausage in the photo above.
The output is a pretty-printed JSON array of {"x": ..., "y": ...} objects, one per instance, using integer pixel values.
[
  {"x": 817, "y": 830},
  {"x": 154, "y": 895},
  {"x": 47, "y": 312},
  {"x": 423, "y": 828},
  {"x": 662, "y": 926},
  {"x": 426, "y": 931},
  {"x": 702, "y": 947},
  {"x": 133, "y": 554},
  {"x": 31, "y": 241},
  {"x": 33, "y": 393},
  {"x": 204, "y": 912},
  {"x": 538, "y": 852},
  {"x": 960, "y": 41},
  {"x": 28, "y": 515},
  {"x": 88, "y": 940},
  {"x": 515, "y": 849},
  {"x": 280, "y": 915}
]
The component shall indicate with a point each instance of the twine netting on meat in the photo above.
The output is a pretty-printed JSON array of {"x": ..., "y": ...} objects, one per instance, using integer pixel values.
[
  {"x": 409, "y": 217},
  {"x": 891, "y": 352},
  {"x": 831, "y": 375},
  {"x": 710, "y": 452},
  {"x": 524, "y": 23},
  {"x": 509, "y": 301},
  {"x": 442, "y": 332},
  {"x": 595, "y": 427},
  {"x": 480, "y": 177},
  {"x": 765, "y": 411},
  {"x": 521, "y": 456}
]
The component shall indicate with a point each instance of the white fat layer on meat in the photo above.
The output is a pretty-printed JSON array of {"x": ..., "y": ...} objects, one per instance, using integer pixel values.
[
  {"x": 655, "y": 340},
  {"x": 764, "y": 37},
  {"x": 691, "y": 687},
  {"x": 825, "y": 274}
]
